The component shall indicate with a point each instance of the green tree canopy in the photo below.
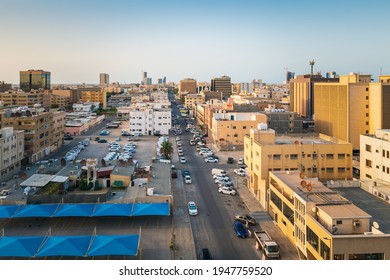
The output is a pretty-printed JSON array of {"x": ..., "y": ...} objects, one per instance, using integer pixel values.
[{"x": 166, "y": 149}]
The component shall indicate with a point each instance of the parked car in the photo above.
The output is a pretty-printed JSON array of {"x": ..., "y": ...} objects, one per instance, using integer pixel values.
[
  {"x": 68, "y": 137},
  {"x": 240, "y": 161},
  {"x": 226, "y": 190},
  {"x": 192, "y": 208},
  {"x": 183, "y": 160},
  {"x": 211, "y": 159},
  {"x": 240, "y": 229},
  {"x": 245, "y": 219},
  {"x": 185, "y": 173},
  {"x": 239, "y": 172},
  {"x": 102, "y": 141},
  {"x": 230, "y": 160}
]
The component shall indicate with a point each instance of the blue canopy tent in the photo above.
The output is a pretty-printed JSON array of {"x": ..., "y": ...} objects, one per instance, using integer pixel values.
[
  {"x": 75, "y": 210},
  {"x": 7, "y": 211},
  {"x": 65, "y": 246},
  {"x": 114, "y": 245},
  {"x": 151, "y": 209},
  {"x": 36, "y": 210},
  {"x": 19, "y": 246},
  {"x": 113, "y": 210}
]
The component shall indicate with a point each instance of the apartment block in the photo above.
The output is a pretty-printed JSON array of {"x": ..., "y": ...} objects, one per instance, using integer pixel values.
[
  {"x": 39, "y": 135},
  {"x": 317, "y": 155},
  {"x": 28, "y": 99},
  {"x": 4, "y": 86},
  {"x": 322, "y": 223},
  {"x": 150, "y": 120},
  {"x": 72, "y": 94},
  {"x": 351, "y": 107},
  {"x": 95, "y": 96},
  {"x": 229, "y": 128},
  {"x": 11, "y": 152},
  {"x": 190, "y": 100}
]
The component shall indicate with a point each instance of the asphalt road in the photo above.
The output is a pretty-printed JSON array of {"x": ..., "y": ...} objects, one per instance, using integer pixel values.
[{"x": 212, "y": 227}]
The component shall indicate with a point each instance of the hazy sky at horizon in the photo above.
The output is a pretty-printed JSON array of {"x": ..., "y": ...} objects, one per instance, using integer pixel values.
[{"x": 77, "y": 40}]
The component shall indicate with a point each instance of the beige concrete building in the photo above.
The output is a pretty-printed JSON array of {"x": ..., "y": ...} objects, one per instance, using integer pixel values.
[
  {"x": 40, "y": 136},
  {"x": 187, "y": 86},
  {"x": 222, "y": 84},
  {"x": 323, "y": 224},
  {"x": 190, "y": 100},
  {"x": 228, "y": 129},
  {"x": 70, "y": 93},
  {"x": 95, "y": 96},
  {"x": 28, "y": 99},
  {"x": 351, "y": 107},
  {"x": 302, "y": 93},
  {"x": 11, "y": 152},
  {"x": 316, "y": 155}
]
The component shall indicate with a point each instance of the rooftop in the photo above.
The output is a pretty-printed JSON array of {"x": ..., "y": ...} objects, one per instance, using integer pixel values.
[
  {"x": 344, "y": 211},
  {"x": 37, "y": 180}
]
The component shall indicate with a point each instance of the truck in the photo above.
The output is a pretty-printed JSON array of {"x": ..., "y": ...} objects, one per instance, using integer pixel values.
[{"x": 264, "y": 241}]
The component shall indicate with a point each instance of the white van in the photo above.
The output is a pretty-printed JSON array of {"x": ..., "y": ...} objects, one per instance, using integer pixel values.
[{"x": 217, "y": 171}]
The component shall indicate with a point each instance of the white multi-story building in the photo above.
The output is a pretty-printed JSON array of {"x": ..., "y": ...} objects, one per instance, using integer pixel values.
[
  {"x": 11, "y": 152},
  {"x": 86, "y": 107},
  {"x": 154, "y": 118}
]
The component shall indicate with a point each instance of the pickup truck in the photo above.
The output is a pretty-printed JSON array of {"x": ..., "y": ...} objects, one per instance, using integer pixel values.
[{"x": 264, "y": 241}]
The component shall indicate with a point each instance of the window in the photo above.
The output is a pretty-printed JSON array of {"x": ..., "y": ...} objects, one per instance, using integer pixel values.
[
  {"x": 368, "y": 148},
  {"x": 329, "y": 156},
  {"x": 276, "y": 157},
  {"x": 341, "y": 156},
  {"x": 368, "y": 176},
  {"x": 339, "y": 222},
  {"x": 325, "y": 251},
  {"x": 341, "y": 169},
  {"x": 234, "y": 127},
  {"x": 315, "y": 156},
  {"x": 312, "y": 238},
  {"x": 329, "y": 170},
  {"x": 276, "y": 200},
  {"x": 314, "y": 169},
  {"x": 244, "y": 127},
  {"x": 294, "y": 156},
  {"x": 368, "y": 163}
]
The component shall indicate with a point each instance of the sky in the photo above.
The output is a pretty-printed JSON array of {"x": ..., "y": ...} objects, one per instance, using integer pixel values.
[{"x": 245, "y": 39}]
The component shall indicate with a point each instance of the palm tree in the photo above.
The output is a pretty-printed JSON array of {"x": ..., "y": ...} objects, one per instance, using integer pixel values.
[{"x": 166, "y": 149}]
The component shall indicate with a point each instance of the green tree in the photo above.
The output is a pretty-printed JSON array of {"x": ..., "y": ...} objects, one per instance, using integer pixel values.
[{"x": 166, "y": 149}]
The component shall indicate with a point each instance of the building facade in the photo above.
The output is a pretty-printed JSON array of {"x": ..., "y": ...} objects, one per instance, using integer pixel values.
[
  {"x": 229, "y": 128},
  {"x": 104, "y": 79},
  {"x": 29, "y": 99},
  {"x": 190, "y": 100},
  {"x": 95, "y": 96},
  {"x": 11, "y": 152},
  {"x": 302, "y": 93},
  {"x": 351, "y": 107},
  {"x": 316, "y": 155},
  {"x": 321, "y": 223},
  {"x": 187, "y": 86},
  {"x": 5, "y": 87},
  {"x": 34, "y": 79},
  {"x": 38, "y": 126},
  {"x": 222, "y": 84},
  {"x": 150, "y": 120}
]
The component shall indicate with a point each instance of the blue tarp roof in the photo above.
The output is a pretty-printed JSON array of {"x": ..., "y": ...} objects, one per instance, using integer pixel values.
[
  {"x": 150, "y": 209},
  {"x": 36, "y": 210},
  {"x": 7, "y": 211},
  {"x": 65, "y": 246},
  {"x": 84, "y": 210},
  {"x": 126, "y": 245},
  {"x": 19, "y": 246},
  {"x": 113, "y": 210},
  {"x": 75, "y": 210},
  {"x": 102, "y": 245}
]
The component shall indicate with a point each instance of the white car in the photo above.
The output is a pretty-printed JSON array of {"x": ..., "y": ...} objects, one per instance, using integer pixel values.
[
  {"x": 177, "y": 138},
  {"x": 240, "y": 161},
  {"x": 239, "y": 172},
  {"x": 180, "y": 149},
  {"x": 210, "y": 159},
  {"x": 192, "y": 208},
  {"x": 224, "y": 180},
  {"x": 180, "y": 153},
  {"x": 225, "y": 190},
  {"x": 183, "y": 160},
  {"x": 187, "y": 179}
]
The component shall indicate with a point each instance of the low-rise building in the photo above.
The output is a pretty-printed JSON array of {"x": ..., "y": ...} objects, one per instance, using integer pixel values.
[
  {"x": 11, "y": 152},
  {"x": 190, "y": 100},
  {"x": 316, "y": 155},
  {"x": 95, "y": 96},
  {"x": 150, "y": 119},
  {"x": 228, "y": 129},
  {"x": 18, "y": 98},
  {"x": 322, "y": 223}
]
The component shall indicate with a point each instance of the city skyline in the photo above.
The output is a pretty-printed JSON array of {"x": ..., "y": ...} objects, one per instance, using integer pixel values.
[{"x": 245, "y": 40}]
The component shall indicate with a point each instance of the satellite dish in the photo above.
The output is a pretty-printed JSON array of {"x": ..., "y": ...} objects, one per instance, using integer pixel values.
[
  {"x": 309, "y": 187},
  {"x": 376, "y": 225},
  {"x": 302, "y": 175},
  {"x": 303, "y": 184}
]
